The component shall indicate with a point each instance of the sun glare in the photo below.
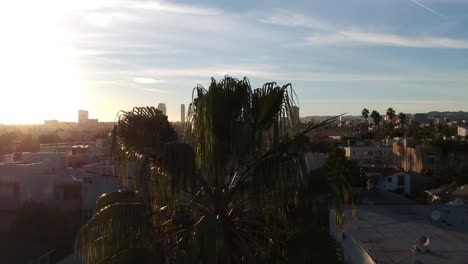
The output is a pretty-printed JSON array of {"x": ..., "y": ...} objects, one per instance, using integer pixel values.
[{"x": 40, "y": 79}]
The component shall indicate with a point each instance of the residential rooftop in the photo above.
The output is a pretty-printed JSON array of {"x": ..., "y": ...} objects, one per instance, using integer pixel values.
[{"x": 387, "y": 232}]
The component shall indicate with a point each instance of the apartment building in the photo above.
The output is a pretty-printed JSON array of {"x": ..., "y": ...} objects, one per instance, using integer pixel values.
[
  {"x": 371, "y": 153},
  {"x": 45, "y": 178},
  {"x": 423, "y": 157}
]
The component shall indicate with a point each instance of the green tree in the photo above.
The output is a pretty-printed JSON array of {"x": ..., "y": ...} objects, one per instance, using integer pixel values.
[
  {"x": 337, "y": 164},
  {"x": 365, "y": 113},
  {"x": 402, "y": 118},
  {"x": 228, "y": 197},
  {"x": 6, "y": 143},
  {"x": 390, "y": 114},
  {"x": 375, "y": 115},
  {"x": 48, "y": 139}
]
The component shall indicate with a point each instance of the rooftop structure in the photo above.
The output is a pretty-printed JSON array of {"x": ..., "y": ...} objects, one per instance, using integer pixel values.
[
  {"x": 94, "y": 147},
  {"x": 389, "y": 179},
  {"x": 386, "y": 229},
  {"x": 385, "y": 234}
]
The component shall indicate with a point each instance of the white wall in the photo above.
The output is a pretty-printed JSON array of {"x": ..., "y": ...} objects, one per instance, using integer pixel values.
[
  {"x": 392, "y": 185},
  {"x": 36, "y": 183},
  {"x": 354, "y": 251},
  {"x": 462, "y": 131}
]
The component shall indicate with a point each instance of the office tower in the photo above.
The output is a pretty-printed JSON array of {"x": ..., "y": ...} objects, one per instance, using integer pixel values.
[
  {"x": 182, "y": 113},
  {"x": 83, "y": 116},
  {"x": 162, "y": 108}
]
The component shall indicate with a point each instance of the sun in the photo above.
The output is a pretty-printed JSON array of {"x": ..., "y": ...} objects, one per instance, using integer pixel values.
[{"x": 39, "y": 77}]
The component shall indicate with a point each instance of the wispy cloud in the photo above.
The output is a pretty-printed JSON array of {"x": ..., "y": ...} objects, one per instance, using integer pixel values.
[
  {"x": 154, "y": 90},
  {"x": 161, "y": 5},
  {"x": 181, "y": 8},
  {"x": 259, "y": 71},
  {"x": 355, "y": 37},
  {"x": 427, "y": 8},
  {"x": 294, "y": 19},
  {"x": 146, "y": 80},
  {"x": 279, "y": 74}
]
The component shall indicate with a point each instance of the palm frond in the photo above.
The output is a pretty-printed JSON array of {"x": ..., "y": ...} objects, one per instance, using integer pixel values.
[
  {"x": 114, "y": 228},
  {"x": 115, "y": 197},
  {"x": 141, "y": 131}
]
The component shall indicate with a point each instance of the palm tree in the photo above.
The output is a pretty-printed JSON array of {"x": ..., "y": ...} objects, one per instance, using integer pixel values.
[
  {"x": 227, "y": 197},
  {"x": 402, "y": 118},
  {"x": 390, "y": 114},
  {"x": 365, "y": 113},
  {"x": 375, "y": 115}
]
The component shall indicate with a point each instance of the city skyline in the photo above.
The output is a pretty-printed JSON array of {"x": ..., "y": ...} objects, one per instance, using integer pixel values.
[{"x": 106, "y": 56}]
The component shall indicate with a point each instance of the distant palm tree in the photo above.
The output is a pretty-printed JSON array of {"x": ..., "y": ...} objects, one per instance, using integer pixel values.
[
  {"x": 390, "y": 114},
  {"x": 365, "y": 113},
  {"x": 227, "y": 197},
  {"x": 375, "y": 115},
  {"x": 402, "y": 118}
]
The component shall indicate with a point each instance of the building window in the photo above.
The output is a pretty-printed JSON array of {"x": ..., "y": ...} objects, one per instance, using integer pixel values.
[
  {"x": 7, "y": 190},
  {"x": 87, "y": 180},
  {"x": 401, "y": 180},
  {"x": 430, "y": 160},
  {"x": 71, "y": 193},
  {"x": 389, "y": 179}
]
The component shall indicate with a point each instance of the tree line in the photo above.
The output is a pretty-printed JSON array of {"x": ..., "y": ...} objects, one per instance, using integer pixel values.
[{"x": 390, "y": 115}]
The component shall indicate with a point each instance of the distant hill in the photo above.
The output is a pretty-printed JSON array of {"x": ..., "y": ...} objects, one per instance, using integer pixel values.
[
  {"x": 323, "y": 118},
  {"x": 453, "y": 116}
]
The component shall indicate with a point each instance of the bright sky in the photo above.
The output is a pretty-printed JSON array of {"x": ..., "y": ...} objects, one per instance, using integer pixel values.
[{"x": 59, "y": 56}]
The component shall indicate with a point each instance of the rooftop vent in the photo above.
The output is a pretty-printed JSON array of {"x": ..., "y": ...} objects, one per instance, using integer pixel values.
[{"x": 421, "y": 245}]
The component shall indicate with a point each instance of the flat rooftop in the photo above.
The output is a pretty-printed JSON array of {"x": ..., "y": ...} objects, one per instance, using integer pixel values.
[{"x": 388, "y": 231}]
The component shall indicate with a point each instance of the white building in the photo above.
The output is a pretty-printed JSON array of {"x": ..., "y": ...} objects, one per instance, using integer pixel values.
[
  {"x": 389, "y": 180},
  {"x": 462, "y": 131},
  {"x": 44, "y": 178},
  {"x": 41, "y": 182}
]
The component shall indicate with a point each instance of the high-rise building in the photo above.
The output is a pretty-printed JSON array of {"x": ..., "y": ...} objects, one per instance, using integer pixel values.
[
  {"x": 182, "y": 113},
  {"x": 83, "y": 116},
  {"x": 295, "y": 112},
  {"x": 162, "y": 108}
]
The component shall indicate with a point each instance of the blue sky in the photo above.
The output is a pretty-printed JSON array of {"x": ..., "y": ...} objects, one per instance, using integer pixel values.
[{"x": 339, "y": 55}]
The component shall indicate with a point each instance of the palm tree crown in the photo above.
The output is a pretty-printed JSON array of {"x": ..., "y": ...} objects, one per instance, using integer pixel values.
[
  {"x": 365, "y": 113},
  {"x": 375, "y": 115},
  {"x": 401, "y": 118},
  {"x": 226, "y": 195},
  {"x": 390, "y": 114}
]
